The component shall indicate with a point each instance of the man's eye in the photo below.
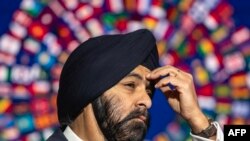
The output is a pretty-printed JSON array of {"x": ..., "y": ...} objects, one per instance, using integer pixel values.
[
  {"x": 130, "y": 85},
  {"x": 149, "y": 92}
]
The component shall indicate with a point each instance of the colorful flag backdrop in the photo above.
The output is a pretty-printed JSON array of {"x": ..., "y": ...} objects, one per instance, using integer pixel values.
[{"x": 199, "y": 36}]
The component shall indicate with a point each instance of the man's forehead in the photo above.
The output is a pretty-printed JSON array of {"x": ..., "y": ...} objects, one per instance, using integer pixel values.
[{"x": 141, "y": 70}]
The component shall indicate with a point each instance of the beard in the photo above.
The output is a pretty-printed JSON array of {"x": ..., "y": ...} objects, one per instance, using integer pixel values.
[{"x": 131, "y": 128}]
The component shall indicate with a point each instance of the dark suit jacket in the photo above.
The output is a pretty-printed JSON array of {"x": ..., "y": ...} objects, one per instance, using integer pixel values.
[{"x": 57, "y": 136}]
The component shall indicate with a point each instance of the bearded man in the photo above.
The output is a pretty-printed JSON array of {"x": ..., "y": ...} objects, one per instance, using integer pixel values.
[{"x": 107, "y": 85}]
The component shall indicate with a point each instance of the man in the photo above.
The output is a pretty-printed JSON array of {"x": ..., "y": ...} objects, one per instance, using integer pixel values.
[{"x": 106, "y": 88}]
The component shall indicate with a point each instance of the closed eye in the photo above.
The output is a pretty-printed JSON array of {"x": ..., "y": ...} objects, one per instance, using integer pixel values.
[{"x": 149, "y": 92}]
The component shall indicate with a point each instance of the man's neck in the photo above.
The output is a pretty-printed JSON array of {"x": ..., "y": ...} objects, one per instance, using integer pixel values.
[{"x": 86, "y": 127}]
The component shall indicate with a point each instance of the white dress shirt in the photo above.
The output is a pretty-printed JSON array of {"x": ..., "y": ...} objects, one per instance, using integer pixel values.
[{"x": 71, "y": 136}]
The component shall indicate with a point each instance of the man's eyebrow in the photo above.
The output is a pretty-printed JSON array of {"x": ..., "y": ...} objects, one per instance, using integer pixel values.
[{"x": 136, "y": 75}]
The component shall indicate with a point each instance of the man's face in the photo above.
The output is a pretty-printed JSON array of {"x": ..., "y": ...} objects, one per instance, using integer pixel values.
[{"x": 122, "y": 111}]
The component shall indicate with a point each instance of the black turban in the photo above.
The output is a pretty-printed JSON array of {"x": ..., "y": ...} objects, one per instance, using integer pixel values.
[{"x": 97, "y": 65}]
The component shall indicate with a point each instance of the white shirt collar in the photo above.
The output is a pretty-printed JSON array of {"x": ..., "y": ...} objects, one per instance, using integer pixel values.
[{"x": 70, "y": 135}]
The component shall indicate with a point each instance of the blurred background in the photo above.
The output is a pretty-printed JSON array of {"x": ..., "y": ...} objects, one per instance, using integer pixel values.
[{"x": 208, "y": 38}]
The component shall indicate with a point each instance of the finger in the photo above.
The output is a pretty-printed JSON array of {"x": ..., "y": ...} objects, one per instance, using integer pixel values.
[
  {"x": 166, "y": 90},
  {"x": 162, "y": 73},
  {"x": 165, "y": 67},
  {"x": 159, "y": 69},
  {"x": 162, "y": 76},
  {"x": 171, "y": 82}
]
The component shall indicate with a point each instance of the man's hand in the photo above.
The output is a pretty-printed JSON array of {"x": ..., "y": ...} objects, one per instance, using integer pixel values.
[{"x": 179, "y": 90}]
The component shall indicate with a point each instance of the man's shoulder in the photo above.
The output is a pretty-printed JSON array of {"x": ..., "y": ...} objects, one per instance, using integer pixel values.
[{"x": 57, "y": 136}]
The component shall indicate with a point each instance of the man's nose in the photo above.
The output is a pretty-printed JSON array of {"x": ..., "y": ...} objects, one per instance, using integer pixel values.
[{"x": 144, "y": 99}]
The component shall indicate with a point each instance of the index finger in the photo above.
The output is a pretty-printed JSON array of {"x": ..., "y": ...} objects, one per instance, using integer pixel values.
[{"x": 162, "y": 72}]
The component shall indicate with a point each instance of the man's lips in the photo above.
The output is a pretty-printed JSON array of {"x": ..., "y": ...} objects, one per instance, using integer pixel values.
[{"x": 143, "y": 118}]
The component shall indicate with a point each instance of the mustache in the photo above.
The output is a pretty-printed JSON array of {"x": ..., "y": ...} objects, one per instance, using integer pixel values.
[{"x": 136, "y": 114}]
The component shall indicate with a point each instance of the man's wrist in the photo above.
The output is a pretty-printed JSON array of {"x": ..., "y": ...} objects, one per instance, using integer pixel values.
[
  {"x": 198, "y": 123},
  {"x": 209, "y": 132}
]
